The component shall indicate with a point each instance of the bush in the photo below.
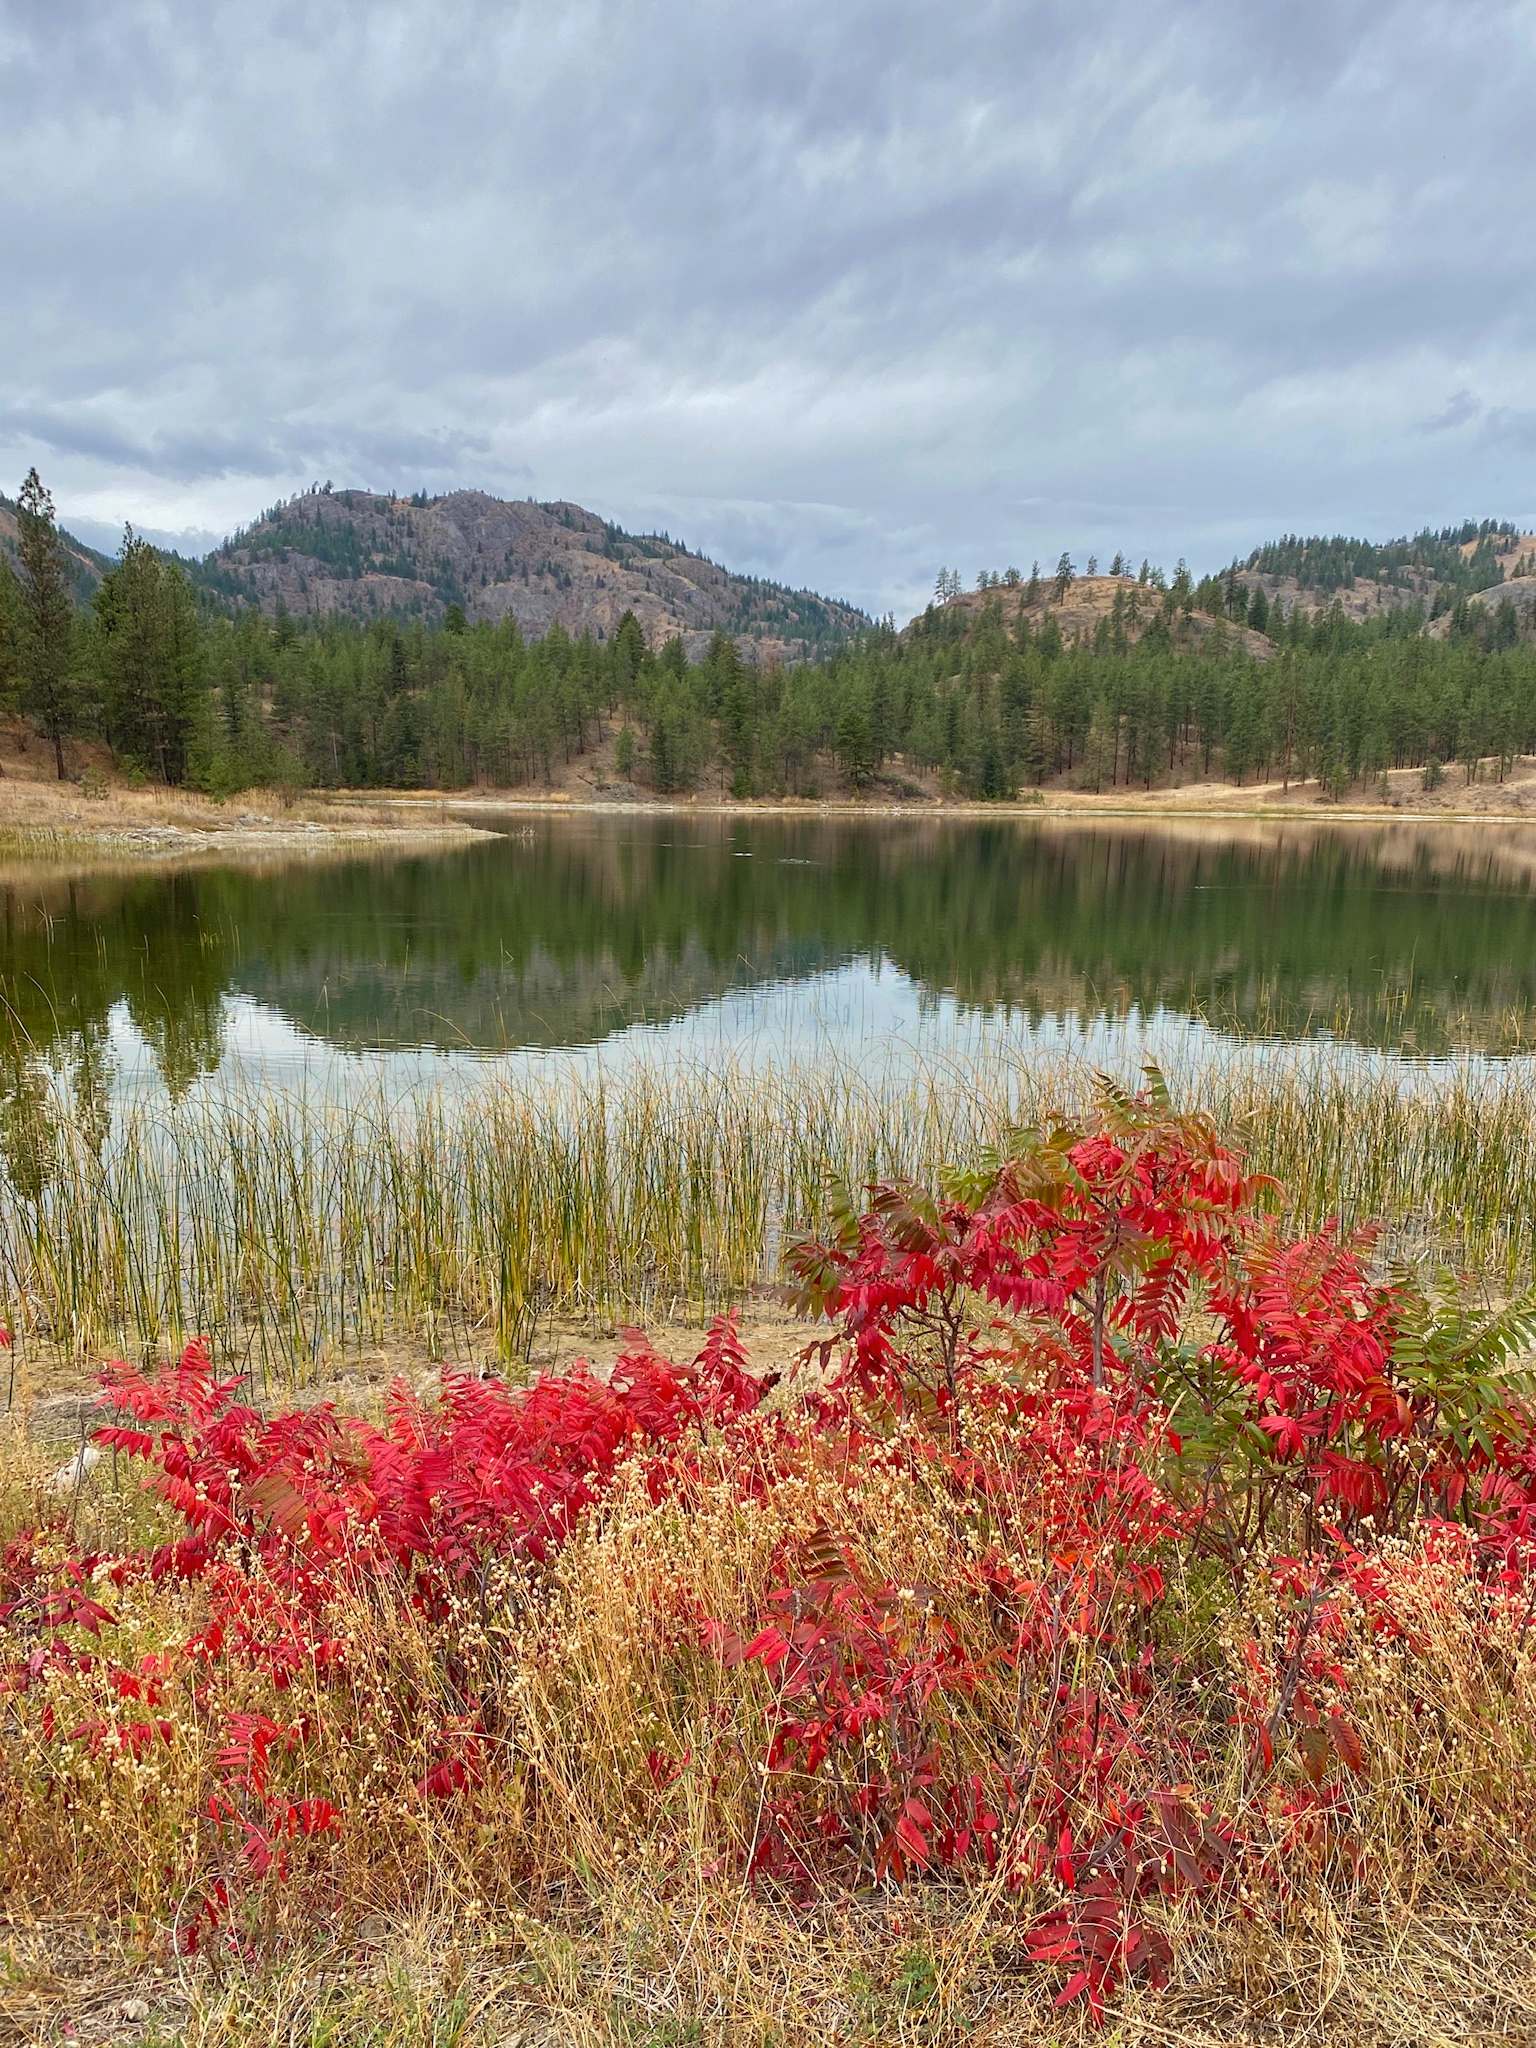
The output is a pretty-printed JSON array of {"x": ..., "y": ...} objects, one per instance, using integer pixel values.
[{"x": 1112, "y": 1552}]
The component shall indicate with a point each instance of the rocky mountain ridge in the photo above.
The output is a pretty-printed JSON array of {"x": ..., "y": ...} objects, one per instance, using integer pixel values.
[
  {"x": 362, "y": 554},
  {"x": 1447, "y": 583},
  {"x": 1430, "y": 572}
]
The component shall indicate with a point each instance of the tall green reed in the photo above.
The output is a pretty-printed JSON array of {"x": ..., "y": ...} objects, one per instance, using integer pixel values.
[{"x": 288, "y": 1228}]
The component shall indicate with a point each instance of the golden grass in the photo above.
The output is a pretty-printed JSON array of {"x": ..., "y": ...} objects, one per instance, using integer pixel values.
[{"x": 716, "y": 1972}]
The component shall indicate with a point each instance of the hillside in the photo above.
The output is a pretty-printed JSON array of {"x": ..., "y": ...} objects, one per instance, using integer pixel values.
[
  {"x": 362, "y": 555},
  {"x": 1484, "y": 607},
  {"x": 1430, "y": 570},
  {"x": 1454, "y": 580},
  {"x": 1094, "y": 609},
  {"x": 87, "y": 565}
]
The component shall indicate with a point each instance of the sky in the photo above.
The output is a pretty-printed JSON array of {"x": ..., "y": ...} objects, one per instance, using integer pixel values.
[{"x": 839, "y": 293}]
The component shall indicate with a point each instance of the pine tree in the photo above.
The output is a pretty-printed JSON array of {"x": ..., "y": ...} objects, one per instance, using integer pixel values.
[
  {"x": 1064, "y": 575},
  {"x": 47, "y": 616},
  {"x": 10, "y": 637},
  {"x": 150, "y": 657},
  {"x": 855, "y": 742},
  {"x": 730, "y": 701},
  {"x": 629, "y": 649}
]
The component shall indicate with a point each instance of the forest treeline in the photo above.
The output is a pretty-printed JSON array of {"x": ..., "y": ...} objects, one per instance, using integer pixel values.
[{"x": 983, "y": 700}]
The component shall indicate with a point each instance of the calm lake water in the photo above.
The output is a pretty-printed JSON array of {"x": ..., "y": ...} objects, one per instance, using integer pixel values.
[{"x": 669, "y": 937}]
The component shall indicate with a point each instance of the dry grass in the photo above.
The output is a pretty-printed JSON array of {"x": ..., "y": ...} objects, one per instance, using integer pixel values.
[
  {"x": 42, "y": 818},
  {"x": 716, "y": 1972}
]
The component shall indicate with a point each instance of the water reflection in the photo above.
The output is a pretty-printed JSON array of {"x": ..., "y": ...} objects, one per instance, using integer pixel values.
[{"x": 590, "y": 931}]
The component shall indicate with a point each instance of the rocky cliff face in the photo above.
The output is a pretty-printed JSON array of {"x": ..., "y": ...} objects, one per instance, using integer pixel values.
[
  {"x": 365, "y": 555},
  {"x": 1518, "y": 592}
]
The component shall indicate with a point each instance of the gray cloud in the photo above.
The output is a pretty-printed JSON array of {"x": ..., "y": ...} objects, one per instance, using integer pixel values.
[
  {"x": 1462, "y": 409},
  {"x": 839, "y": 293}
]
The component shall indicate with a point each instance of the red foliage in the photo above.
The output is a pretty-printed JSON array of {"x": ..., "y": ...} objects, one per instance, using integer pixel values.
[
  {"x": 1310, "y": 1391},
  {"x": 1021, "y": 1342},
  {"x": 283, "y": 1516}
]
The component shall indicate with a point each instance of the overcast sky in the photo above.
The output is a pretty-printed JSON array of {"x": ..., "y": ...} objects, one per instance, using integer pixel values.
[{"x": 838, "y": 291}]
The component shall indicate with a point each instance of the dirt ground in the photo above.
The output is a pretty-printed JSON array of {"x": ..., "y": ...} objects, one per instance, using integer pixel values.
[{"x": 51, "y": 1393}]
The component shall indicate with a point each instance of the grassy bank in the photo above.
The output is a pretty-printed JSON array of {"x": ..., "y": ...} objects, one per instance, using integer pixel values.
[{"x": 289, "y": 1230}]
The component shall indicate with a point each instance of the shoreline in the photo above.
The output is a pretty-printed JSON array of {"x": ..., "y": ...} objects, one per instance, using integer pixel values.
[
  {"x": 165, "y": 826},
  {"x": 1070, "y": 807},
  {"x": 42, "y": 822},
  {"x": 166, "y": 841}
]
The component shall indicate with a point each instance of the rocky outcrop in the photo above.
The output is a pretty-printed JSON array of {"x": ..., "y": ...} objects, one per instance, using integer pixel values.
[
  {"x": 1517, "y": 591},
  {"x": 86, "y": 565}
]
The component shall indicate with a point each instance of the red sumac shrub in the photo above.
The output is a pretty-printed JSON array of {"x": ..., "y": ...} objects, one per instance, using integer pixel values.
[{"x": 1103, "y": 1372}]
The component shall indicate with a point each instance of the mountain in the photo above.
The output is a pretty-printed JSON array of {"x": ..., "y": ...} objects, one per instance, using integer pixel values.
[
  {"x": 364, "y": 555},
  {"x": 87, "y": 565}
]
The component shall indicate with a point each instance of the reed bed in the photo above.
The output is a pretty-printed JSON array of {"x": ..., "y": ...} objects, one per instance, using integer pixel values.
[{"x": 286, "y": 1228}]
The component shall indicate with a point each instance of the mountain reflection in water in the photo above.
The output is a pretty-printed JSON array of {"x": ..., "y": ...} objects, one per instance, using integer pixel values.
[{"x": 582, "y": 931}]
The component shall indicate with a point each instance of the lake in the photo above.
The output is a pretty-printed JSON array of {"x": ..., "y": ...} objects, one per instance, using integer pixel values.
[{"x": 607, "y": 937}]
